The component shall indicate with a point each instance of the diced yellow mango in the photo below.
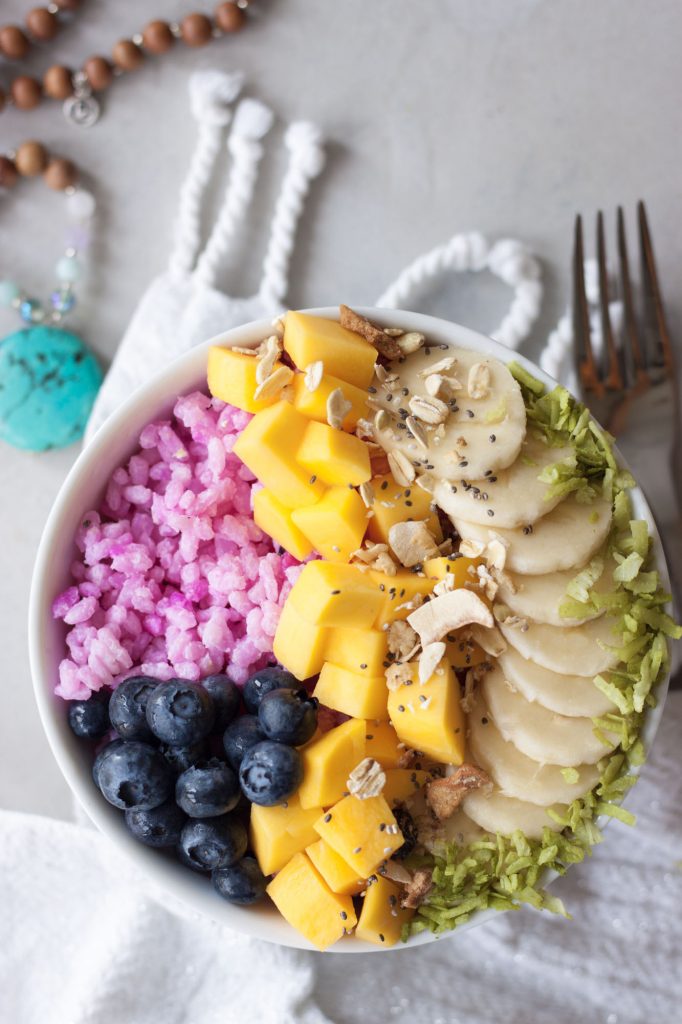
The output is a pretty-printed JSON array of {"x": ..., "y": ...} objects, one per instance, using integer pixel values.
[
  {"x": 277, "y": 833},
  {"x": 437, "y": 568},
  {"x": 345, "y": 354},
  {"x": 362, "y": 651},
  {"x": 304, "y": 899},
  {"x": 276, "y": 520},
  {"x": 267, "y": 445},
  {"x": 359, "y": 832},
  {"x": 395, "y": 504},
  {"x": 429, "y": 717},
  {"x": 382, "y": 743},
  {"x": 330, "y": 594},
  {"x": 232, "y": 378},
  {"x": 353, "y": 694},
  {"x": 464, "y": 653},
  {"x": 338, "y": 875},
  {"x": 333, "y": 456},
  {"x": 328, "y": 762},
  {"x": 299, "y": 645},
  {"x": 382, "y": 918},
  {"x": 402, "y": 783},
  {"x": 396, "y": 591},
  {"x": 313, "y": 404},
  {"x": 334, "y": 526}
]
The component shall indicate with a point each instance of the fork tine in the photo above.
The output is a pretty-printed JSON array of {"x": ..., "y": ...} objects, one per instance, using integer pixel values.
[
  {"x": 584, "y": 355},
  {"x": 631, "y": 341},
  {"x": 652, "y": 292},
  {"x": 614, "y": 375}
]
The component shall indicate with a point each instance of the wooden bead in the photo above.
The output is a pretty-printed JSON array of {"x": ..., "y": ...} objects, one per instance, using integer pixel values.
[
  {"x": 60, "y": 174},
  {"x": 228, "y": 17},
  {"x": 57, "y": 82},
  {"x": 98, "y": 73},
  {"x": 26, "y": 92},
  {"x": 13, "y": 42},
  {"x": 196, "y": 29},
  {"x": 8, "y": 173},
  {"x": 157, "y": 37},
  {"x": 127, "y": 56},
  {"x": 42, "y": 24},
  {"x": 31, "y": 159}
]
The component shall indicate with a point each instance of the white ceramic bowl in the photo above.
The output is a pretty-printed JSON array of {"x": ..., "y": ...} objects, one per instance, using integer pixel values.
[{"x": 83, "y": 490}]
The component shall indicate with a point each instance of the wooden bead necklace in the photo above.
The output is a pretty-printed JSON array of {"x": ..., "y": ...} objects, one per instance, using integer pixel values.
[{"x": 76, "y": 88}]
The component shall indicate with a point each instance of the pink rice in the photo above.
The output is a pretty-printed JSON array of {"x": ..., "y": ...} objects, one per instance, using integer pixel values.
[{"x": 174, "y": 577}]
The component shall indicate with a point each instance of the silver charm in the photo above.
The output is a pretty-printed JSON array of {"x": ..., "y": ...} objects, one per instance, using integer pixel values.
[{"x": 82, "y": 109}]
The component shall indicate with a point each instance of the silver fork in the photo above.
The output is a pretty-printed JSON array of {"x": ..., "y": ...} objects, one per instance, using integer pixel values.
[{"x": 631, "y": 386}]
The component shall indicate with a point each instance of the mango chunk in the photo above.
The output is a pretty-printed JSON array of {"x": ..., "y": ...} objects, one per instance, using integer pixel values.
[
  {"x": 330, "y": 594},
  {"x": 382, "y": 918},
  {"x": 402, "y": 783},
  {"x": 334, "y": 526},
  {"x": 328, "y": 762},
  {"x": 267, "y": 445},
  {"x": 299, "y": 645},
  {"x": 397, "y": 592},
  {"x": 338, "y": 875},
  {"x": 356, "y": 695},
  {"x": 395, "y": 504},
  {"x": 437, "y": 568},
  {"x": 382, "y": 743},
  {"x": 333, "y": 456},
  {"x": 429, "y": 717},
  {"x": 277, "y": 833},
  {"x": 363, "y": 832},
  {"x": 345, "y": 355},
  {"x": 232, "y": 378},
  {"x": 313, "y": 404},
  {"x": 464, "y": 653},
  {"x": 360, "y": 650},
  {"x": 305, "y": 900},
  {"x": 276, "y": 520}
]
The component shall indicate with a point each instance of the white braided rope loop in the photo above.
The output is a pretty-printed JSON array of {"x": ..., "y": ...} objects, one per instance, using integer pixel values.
[{"x": 306, "y": 160}]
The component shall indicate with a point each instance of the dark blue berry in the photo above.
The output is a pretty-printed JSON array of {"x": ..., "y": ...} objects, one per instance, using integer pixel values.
[
  {"x": 101, "y": 754},
  {"x": 212, "y": 843},
  {"x": 240, "y": 736},
  {"x": 180, "y": 713},
  {"x": 207, "y": 790},
  {"x": 89, "y": 719},
  {"x": 128, "y": 705},
  {"x": 159, "y": 826},
  {"x": 182, "y": 758},
  {"x": 226, "y": 697},
  {"x": 264, "y": 681},
  {"x": 134, "y": 775},
  {"x": 270, "y": 773},
  {"x": 288, "y": 716},
  {"x": 243, "y": 883}
]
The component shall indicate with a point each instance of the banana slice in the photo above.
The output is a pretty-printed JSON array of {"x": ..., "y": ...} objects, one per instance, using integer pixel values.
[
  {"x": 539, "y": 597},
  {"x": 517, "y": 775},
  {"x": 462, "y": 447},
  {"x": 509, "y": 498},
  {"x": 495, "y": 813},
  {"x": 540, "y": 734},
  {"x": 569, "y": 650},
  {"x": 565, "y": 538},
  {"x": 573, "y": 696}
]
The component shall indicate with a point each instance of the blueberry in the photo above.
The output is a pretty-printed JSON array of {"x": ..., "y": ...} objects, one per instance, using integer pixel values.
[
  {"x": 264, "y": 681},
  {"x": 270, "y": 772},
  {"x": 212, "y": 843},
  {"x": 127, "y": 708},
  {"x": 159, "y": 826},
  {"x": 180, "y": 713},
  {"x": 101, "y": 754},
  {"x": 133, "y": 775},
  {"x": 288, "y": 716},
  {"x": 182, "y": 758},
  {"x": 207, "y": 790},
  {"x": 243, "y": 883},
  {"x": 89, "y": 719},
  {"x": 240, "y": 736},
  {"x": 226, "y": 697}
]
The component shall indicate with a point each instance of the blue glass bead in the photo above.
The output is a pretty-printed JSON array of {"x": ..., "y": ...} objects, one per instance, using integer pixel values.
[
  {"x": 68, "y": 269},
  {"x": 62, "y": 301},
  {"x": 9, "y": 291},
  {"x": 31, "y": 311},
  {"x": 48, "y": 383}
]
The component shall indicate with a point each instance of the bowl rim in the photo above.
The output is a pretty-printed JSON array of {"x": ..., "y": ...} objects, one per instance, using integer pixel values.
[{"x": 163, "y": 872}]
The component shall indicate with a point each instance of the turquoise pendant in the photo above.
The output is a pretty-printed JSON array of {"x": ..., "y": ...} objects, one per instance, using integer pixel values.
[{"x": 48, "y": 383}]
